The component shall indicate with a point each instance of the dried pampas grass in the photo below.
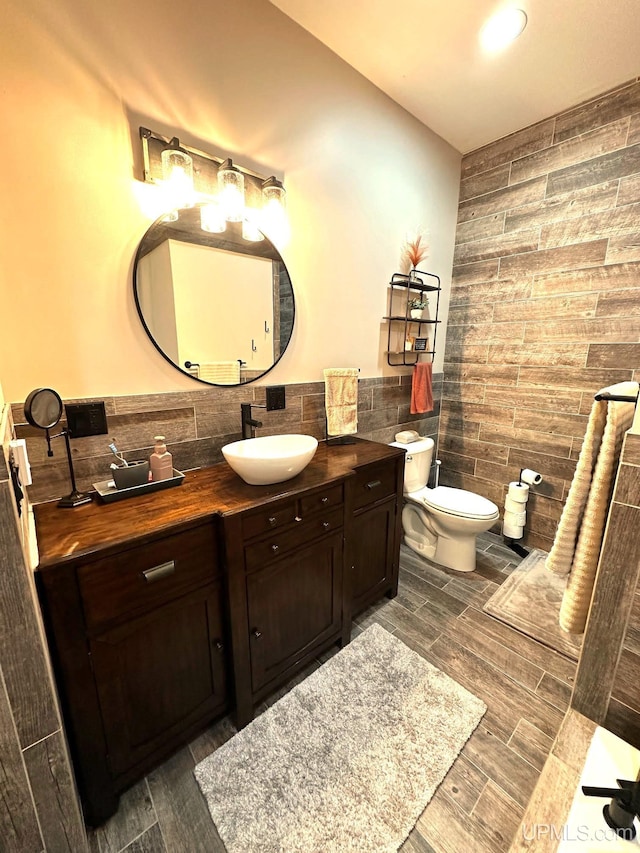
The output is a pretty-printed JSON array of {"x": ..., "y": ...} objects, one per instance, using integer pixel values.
[{"x": 414, "y": 250}]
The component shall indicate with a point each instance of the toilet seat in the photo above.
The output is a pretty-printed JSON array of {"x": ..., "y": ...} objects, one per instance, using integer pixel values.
[{"x": 456, "y": 502}]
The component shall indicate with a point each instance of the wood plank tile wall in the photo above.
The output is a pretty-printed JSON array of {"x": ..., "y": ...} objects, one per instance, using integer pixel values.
[
  {"x": 39, "y": 808},
  {"x": 198, "y": 423},
  {"x": 544, "y": 299},
  {"x": 608, "y": 677}
]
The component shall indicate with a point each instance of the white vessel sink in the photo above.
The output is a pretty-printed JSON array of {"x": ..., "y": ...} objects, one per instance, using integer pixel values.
[
  {"x": 609, "y": 758},
  {"x": 270, "y": 458}
]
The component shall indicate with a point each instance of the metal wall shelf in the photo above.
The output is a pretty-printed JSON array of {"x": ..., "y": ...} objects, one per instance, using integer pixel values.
[{"x": 400, "y": 288}]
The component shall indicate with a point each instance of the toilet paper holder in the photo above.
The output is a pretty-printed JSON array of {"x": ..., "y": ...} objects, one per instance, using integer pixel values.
[{"x": 529, "y": 477}]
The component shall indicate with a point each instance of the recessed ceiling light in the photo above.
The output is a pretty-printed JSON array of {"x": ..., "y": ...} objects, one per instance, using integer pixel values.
[{"x": 502, "y": 28}]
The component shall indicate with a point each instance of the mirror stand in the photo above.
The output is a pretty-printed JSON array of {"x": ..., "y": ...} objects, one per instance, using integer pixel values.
[
  {"x": 43, "y": 409},
  {"x": 74, "y": 498}
]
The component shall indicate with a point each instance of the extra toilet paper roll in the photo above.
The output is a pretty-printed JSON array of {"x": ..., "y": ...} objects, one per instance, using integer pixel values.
[
  {"x": 530, "y": 477},
  {"x": 519, "y": 518},
  {"x": 512, "y": 531},
  {"x": 518, "y": 492},
  {"x": 513, "y": 506}
]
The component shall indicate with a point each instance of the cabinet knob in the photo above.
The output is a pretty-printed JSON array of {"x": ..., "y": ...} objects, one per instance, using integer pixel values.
[
  {"x": 272, "y": 520},
  {"x": 374, "y": 484},
  {"x": 298, "y": 518},
  {"x": 257, "y": 634},
  {"x": 218, "y": 644},
  {"x": 275, "y": 548},
  {"x": 324, "y": 500},
  {"x": 326, "y": 525}
]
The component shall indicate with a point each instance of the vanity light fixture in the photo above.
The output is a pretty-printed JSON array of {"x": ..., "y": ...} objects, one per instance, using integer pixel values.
[
  {"x": 177, "y": 174},
  {"x": 250, "y": 231},
  {"x": 225, "y": 192},
  {"x": 231, "y": 191},
  {"x": 275, "y": 222},
  {"x": 273, "y": 193},
  {"x": 212, "y": 218}
]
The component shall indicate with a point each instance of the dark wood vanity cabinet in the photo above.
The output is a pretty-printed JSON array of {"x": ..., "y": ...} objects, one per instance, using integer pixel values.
[
  {"x": 376, "y": 532},
  {"x": 165, "y": 611},
  {"x": 286, "y": 587},
  {"x": 139, "y": 648}
]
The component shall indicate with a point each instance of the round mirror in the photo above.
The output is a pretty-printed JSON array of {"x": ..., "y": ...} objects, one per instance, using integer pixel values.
[
  {"x": 43, "y": 408},
  {"x": 218, "y": 306}
]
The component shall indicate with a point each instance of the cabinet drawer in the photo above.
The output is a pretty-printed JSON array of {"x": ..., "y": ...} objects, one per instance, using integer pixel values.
[
  {"x": 332, "y": 496},
  {"x": 269, "y": 518},
  {"x": 261, "y": 553},
  {"x": 143, "y": 578},
  {"x": 373, "y": 483}
]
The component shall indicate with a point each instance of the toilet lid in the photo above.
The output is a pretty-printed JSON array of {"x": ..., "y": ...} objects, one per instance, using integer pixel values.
[{"x": 459, "y": 502}]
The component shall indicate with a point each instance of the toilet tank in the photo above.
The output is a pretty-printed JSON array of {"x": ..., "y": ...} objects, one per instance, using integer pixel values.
[{"x": 417, "y": 463}]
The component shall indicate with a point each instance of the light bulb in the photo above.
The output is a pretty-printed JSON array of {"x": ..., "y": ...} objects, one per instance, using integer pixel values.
[
  {"x": 212, "y": 218},
  {"x": 231, "y": 192},
  {"x": 250, "y": 231},
  {"x": 177, "y": 175},
  {"x": 502, "y": 28},
  {"x": 275, "y": 222}
]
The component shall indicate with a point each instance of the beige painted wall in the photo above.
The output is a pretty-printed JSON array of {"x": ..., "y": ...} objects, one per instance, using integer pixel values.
[{"x": 237, "y": 79}]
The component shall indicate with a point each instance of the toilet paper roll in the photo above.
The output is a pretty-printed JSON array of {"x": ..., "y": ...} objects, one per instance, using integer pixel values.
[
  {"x": 530, "y": 477},
  {"x": 512, "y": 531},
  {"x": 519, "y": 518},
  {"x": 518, "y": 492},
  {"x": 513, "y": 506}
]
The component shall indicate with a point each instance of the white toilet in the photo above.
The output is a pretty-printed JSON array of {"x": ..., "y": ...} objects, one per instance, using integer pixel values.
[{"x": 442, "y": 523}]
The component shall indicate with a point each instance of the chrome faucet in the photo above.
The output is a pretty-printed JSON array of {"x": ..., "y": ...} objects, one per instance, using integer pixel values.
[{"x": 248, "y": 423}]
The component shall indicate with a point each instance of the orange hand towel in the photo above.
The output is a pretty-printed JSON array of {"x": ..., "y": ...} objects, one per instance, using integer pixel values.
[{"x": 421, "y": 388}]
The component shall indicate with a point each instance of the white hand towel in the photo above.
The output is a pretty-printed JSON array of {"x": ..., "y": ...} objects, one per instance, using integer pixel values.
[
  {"x": 341, "y": 400},
  {"x": 220, "y": 372}
]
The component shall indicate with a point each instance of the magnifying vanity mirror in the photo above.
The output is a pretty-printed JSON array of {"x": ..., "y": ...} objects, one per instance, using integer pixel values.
[
  {"x": 43, "y": 409},
  {"x": 218, "y": 306}
]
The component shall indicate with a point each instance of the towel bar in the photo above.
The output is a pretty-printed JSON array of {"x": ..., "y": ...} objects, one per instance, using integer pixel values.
[{"x": 617, "y": 398}]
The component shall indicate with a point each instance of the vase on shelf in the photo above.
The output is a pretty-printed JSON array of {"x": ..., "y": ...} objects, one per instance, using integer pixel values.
[
  {"x": 414, "y": 277},
  {"x": 416, "y": 313}
]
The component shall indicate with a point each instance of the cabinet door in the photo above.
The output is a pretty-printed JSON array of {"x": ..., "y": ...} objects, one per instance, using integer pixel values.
[
  {"x": 293, "y": 605},
  {"x": 372, "y": 553},
  {"x": 158, "y": 675}
]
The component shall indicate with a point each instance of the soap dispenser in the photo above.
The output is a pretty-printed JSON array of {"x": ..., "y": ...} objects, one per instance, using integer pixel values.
[{"x": 160, "y": 461}]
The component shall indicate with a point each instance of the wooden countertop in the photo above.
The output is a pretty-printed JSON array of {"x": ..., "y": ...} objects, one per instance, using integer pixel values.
[{"x": 65, "y": 535}]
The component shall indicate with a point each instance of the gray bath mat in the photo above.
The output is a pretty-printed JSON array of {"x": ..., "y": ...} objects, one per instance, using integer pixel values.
[
  {"x": 347, "y": 760},
  {"x": 530, "y": 600}
]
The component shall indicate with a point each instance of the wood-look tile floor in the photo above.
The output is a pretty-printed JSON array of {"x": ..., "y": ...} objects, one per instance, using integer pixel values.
[{"x": 479, "y": 805}]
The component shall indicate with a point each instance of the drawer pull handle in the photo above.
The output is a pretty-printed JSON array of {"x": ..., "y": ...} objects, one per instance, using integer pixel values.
[
  {"x": 275, "y": 548},
  {"x": 273, "y": 520},
  {"x": 298, "y": 518},
  {"x": 257, "y": 634},
  {"x": 374, "y": 484},
  {"x": 324, "y": 500},
  {"x": 326, "y": 525},
  {"x": 159, "y": 572}
]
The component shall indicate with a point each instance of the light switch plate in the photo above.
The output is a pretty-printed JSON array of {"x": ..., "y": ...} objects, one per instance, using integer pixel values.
[
  {"x": 86, "y": 419},
  {"x": 276, "y": 398}
]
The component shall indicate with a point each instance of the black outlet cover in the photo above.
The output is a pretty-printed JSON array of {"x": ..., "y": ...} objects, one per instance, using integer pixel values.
[
  {"x": 86, "y": 419},
  {"x": 275, "y": 397}
]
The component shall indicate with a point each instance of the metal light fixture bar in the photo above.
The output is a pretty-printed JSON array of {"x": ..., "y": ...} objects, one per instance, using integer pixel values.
[{"x": 205, "y": 168}]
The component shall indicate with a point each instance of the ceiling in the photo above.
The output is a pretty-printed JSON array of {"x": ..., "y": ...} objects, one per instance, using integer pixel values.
[{"x": 425, "y": 54}]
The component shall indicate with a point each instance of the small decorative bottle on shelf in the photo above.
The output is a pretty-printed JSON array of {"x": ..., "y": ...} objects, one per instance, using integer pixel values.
[{"x": 160, "y": 461}]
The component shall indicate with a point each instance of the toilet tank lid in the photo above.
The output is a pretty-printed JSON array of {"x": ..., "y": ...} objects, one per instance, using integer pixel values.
[{"x": 414, "y": 446}]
